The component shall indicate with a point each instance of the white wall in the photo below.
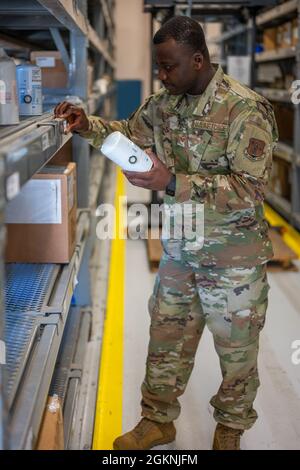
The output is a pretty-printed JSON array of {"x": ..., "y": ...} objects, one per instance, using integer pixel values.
[{"x": 133, "y": 43}]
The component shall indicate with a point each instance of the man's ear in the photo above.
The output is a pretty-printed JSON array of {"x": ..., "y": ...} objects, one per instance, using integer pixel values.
[{"x": 198, "y": 60}]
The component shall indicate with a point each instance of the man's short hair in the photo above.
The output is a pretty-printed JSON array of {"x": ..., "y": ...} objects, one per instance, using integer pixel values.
[{"x": 183, "y": 30}]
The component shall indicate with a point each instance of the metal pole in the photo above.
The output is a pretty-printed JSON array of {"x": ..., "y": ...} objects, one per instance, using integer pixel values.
[
  {"x": 151, "y": 52},
  {"x": 189, "y": 9},
  {"x": 252, "y": 51},
  {"x": 296, "y": 159}
]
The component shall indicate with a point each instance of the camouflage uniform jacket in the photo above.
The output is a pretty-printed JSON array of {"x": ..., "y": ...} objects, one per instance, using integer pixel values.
[{"x": 220, "y": 148}]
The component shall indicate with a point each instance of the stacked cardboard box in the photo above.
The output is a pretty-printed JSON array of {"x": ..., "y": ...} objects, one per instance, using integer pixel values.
[
  {"x": 64, "y": 155},
  {"x": 54, "y": 72},
  {"x": 282, "y": 36},
  {"x": 295, "y": 32},
  {"x": 41, "y": 220},
  {"x": 280, "y": 178},
  {"x": 285, "y": 120},
  {"x": 51, "y": 435},
  {"x": 270, "y": 39},
  {"x": 286, "y": 35}
]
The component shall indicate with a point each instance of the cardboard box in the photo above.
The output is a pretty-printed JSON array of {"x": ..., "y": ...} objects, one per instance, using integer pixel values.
[
  {"x": 287, "y": 34},
  {"x": 41, "y": 220},
  {"x": 54, "y": 72},
  {"x": 64, "y": 155},
  {"x": 289, "y": 78},
  {"x": 284, "y": 115},
  {"x": 279, "y": 36},
  {"x": 280, "y": 178},
  {"x": 270, "y": 39},
  {"x": 295, "y": 32},
  {"x": 51, "y": 435}
]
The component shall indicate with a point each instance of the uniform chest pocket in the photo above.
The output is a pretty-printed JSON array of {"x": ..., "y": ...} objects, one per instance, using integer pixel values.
[
  {"x": 180, "y": 148},
  {"x": 198, "y": 144},
  {"x": 208, "y": 150}
]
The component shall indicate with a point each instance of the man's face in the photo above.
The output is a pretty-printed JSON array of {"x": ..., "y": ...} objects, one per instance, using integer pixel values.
[{"x": 178, "y": 67}]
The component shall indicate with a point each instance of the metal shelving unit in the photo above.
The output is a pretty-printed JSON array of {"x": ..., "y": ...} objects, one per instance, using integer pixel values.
[
  {"x": 280, "y": 54},
  {"x": 276, "y": 13},
  {"x": 236, "y": 31},
  {"x": 26, "y": 147},
  {"x": 285, "y": 151},
  {"x": 290, "y": 209},
  {"x": 38, "y": 297},
  {"x": 69, "y": 367},
  {"x": 274, "y": 94},
  {"x": 240, "y": 39},
  {"x": 282, "y": 205}
]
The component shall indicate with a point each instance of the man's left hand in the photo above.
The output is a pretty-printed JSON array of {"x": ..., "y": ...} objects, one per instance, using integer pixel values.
[{"x": 156, "y": 179}]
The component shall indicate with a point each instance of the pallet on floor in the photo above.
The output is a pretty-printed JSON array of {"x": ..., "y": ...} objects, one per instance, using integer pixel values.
[
  {"x": 283, "y": 254},
  {"x": 282, "y": 260},
  {"x": 154, "y": 248}
]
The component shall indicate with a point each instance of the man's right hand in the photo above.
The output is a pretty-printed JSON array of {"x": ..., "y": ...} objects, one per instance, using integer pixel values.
[{"x": 74, "y": 115}]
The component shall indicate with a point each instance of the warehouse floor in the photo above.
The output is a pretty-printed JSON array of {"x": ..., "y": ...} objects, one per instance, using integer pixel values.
[{"x": 277, "y": 403}]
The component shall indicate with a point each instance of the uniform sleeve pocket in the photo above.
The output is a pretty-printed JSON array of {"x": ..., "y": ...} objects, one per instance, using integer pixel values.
[{"x": 254, "y": 151}]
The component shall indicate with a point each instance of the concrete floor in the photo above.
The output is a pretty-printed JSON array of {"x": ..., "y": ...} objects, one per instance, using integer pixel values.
[{"x": 277, "y": 403}]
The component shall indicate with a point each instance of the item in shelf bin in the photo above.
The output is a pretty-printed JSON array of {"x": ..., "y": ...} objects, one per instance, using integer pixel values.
[
  {"x": 284, "y": 115},
  {"x": 54, "y": 72},
  {"x": 64, "y": 155},
  {"x": 41, "y": 220},
  {"x": 51, "y": 435},
  {"x": 287, "y": 34},
  {"x": 280, "y": 178},
  {"x": 269, "y": 39},
  {"x": 103, "y": 83},
  {"x": 125, "y": 153},
  {"x": 295, "y": 32},
  {"x": 268, "y": 73},
  {"x": 9, "y": 109},
  {"x": 288, "y": 81},
  {"x": 278, "y": 83},
  {"x": 279, "y": 36},
  {"x": 29, "y": 79}
]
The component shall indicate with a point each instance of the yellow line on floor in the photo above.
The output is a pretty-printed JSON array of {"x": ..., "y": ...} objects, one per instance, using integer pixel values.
[
  {"x": 108, "y": 419},
  {"x": 291, "y": 236}
]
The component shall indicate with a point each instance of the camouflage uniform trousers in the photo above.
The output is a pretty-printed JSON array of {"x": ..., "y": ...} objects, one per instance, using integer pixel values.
[{"x": 232, "y": 303}]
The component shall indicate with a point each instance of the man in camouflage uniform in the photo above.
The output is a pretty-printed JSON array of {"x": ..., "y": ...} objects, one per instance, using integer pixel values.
[{"x": 213, "y": 139}]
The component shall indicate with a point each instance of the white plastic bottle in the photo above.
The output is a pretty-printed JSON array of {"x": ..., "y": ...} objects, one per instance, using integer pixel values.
[
  {"x": 9, "y": 110},
  {"x": 29, "y": 78},
  {"x": 118, "y": 148}
]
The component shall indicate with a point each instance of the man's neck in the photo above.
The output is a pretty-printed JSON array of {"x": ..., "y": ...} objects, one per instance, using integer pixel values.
[{"x": 203, "y": 81}]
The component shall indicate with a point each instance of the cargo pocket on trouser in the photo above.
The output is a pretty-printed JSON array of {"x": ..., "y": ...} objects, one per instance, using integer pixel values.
[
  {"x": 172, "y": 248},
  {"x": 247, "y": 306}
]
